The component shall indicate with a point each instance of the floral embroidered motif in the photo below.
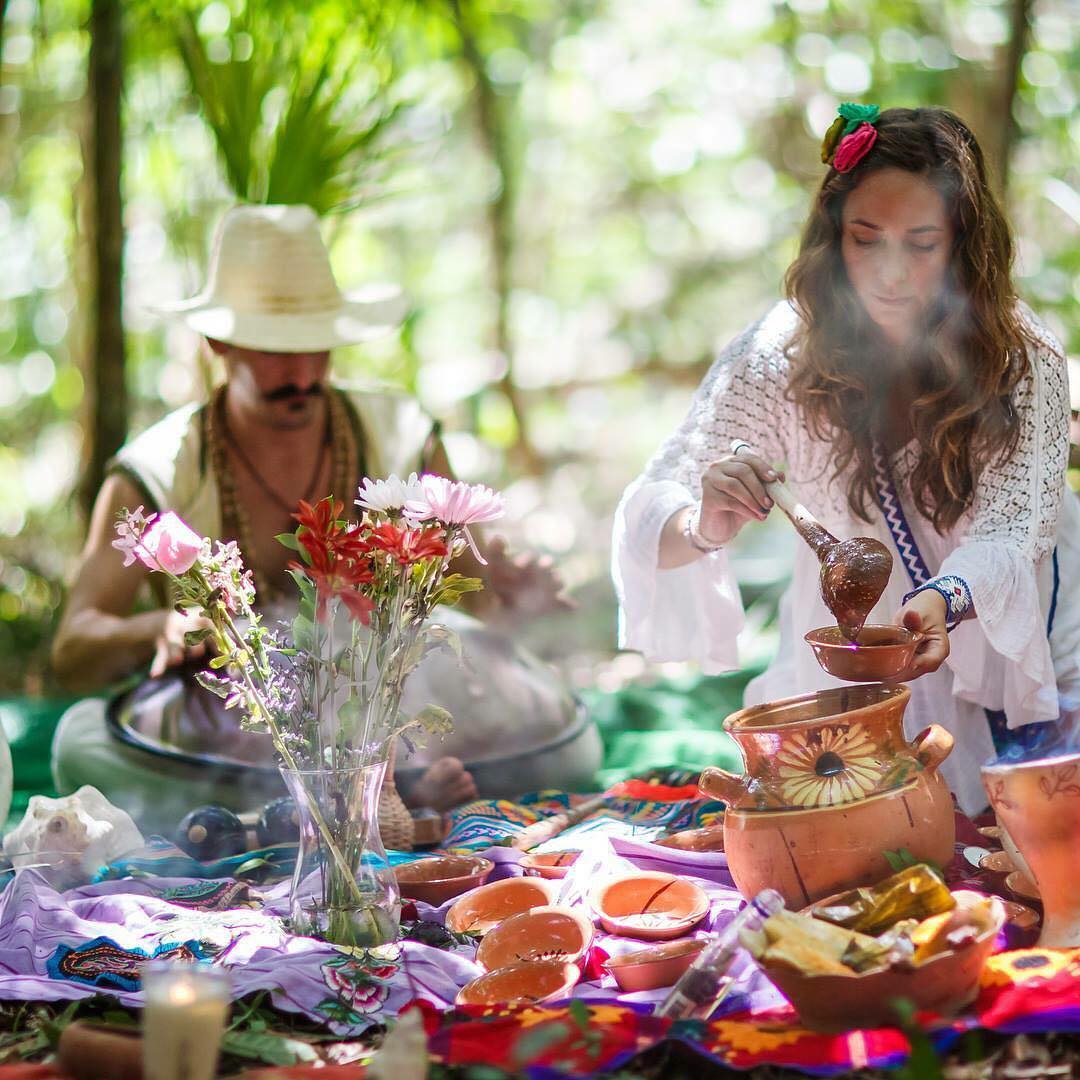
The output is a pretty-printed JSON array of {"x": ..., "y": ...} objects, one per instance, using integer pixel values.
[
  {"x": 828, "y": 767},
  {"x": 359, "y": 989}
]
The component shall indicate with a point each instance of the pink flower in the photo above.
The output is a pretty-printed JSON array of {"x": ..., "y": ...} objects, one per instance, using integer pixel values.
[
  {"x": 362, "y": 989},
  {"x": 169, "y": 545},
  {"x": 854, "y": 147},
  {"x": 454, "y": 503}
]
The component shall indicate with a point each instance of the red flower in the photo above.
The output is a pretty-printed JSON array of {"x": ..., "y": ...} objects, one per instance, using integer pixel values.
[
  {"x": 408, "y": 545},
  {"x": 336, "y": 576},
  {"x": 854, "y": 147}
]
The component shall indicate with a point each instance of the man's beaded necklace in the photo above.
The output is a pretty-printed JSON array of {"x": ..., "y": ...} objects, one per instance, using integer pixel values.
[{"x": 235, "y": 522}]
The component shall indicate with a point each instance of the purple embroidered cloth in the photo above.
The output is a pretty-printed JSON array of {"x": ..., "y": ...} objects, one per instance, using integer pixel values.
[{"x": 61, "y": 946}]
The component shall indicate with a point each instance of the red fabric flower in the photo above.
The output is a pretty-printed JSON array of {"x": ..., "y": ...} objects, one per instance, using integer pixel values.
[
  {"x": 854, "y": 147},
  {"x": 408, "y": 545}
]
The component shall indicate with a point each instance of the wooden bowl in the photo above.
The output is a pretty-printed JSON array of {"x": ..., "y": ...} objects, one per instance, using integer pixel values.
[
  {"x": 544, "y": 933},
  {"x": 650, "y": 905},
  {"x": 945, "y": 983},
  {"x": 436, "y": 880},
  {"x": 483, "y": 908},
  {"x": 880, "y": 652},
  {"x": 552, "y": 864},
  {"x": 658, "y": 965},
  {"x": 532, "y": 982}
]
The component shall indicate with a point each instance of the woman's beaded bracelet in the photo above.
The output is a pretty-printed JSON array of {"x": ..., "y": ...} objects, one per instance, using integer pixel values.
[
  {"x": 692, "y": 532},
  {"x": 956, "y": 594}
]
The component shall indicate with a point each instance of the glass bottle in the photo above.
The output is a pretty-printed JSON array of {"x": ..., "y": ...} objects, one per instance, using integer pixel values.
[{"x": 705, "y": 982}]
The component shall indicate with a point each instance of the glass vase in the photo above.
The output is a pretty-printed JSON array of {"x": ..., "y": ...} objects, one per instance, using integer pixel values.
[{"x": 343, "y": 887}]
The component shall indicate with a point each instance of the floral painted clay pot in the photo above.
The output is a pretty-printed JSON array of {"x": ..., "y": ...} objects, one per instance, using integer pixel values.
[
  {"x": 831, "y": 785},
  {"x": 1038, "y": 802}
]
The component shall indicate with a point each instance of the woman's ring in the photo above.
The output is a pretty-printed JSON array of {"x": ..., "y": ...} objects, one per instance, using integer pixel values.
[{"x": 738, "y": 444}]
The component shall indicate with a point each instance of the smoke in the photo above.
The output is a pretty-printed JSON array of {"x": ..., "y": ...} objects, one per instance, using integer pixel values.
[{"x": 1042, "y": 742}]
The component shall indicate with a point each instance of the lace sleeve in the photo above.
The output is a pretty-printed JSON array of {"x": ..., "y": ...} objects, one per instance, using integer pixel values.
[
  {"x": 694, "y": 612},
  {"x": 1018, "y": 501},
  {"x": 1012, "y": 530}
]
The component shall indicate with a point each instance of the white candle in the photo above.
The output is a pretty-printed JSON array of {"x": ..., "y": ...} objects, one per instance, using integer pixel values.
[{"x": 185, "y": 1006}]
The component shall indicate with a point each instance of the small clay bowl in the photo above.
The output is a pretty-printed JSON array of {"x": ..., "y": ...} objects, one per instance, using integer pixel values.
[
  {"x": 1019, "y": 884},
  {"x": 436, "y": 880},
  {"x": 880, "y": 652},
  {"x": 531, "y": 982},
  {"x": 486, "y": 907},
  {"x": 544, "y": 933},
  {"x": 710, "y": 838},
  {"x": 944, "y": 984},
  {"x": 552, "y": 864},
  {"x": 650, "y": 905},
  {"x": 658, "y": 965}
]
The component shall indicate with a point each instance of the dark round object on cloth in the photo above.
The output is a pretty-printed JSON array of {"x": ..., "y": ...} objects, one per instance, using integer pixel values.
[
  {"x": 279, "y": 823},
  {"x": 211, "y": 832}
]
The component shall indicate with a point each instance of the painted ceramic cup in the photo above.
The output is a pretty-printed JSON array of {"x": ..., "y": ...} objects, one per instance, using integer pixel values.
[
  {"x": 831, "y": 784},
  {"x": 1038, "y": 802}
]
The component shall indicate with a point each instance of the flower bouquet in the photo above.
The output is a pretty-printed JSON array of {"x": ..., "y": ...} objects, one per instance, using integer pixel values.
[{"x": 328, "y": 688}]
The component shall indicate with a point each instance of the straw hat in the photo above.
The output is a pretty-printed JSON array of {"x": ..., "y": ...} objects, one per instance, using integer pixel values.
[{"x": 271, "y": 288}]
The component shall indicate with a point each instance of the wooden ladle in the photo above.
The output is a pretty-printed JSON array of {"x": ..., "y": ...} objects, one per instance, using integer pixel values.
[{"x": 854, "y": 572}]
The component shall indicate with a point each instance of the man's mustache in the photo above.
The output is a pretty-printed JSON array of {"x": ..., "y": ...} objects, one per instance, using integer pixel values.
[{"x": 291, "y": 392}]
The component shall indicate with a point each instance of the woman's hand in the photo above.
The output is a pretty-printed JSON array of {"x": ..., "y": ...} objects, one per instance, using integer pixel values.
[
  {"x": 733, "y": 493},
  {"x": 925, "y": 612},
  {"x": 171, "y": 648}
]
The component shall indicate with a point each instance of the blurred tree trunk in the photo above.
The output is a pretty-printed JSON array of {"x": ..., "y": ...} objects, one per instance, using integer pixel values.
[
  {"x": 1005, "y": 135},
  {"x": 495, "y": 135},
  {"x": 107, "y": 421}
]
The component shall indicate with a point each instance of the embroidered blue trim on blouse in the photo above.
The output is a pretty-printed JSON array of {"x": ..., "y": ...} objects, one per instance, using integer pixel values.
[{"x": 893, "y": 512}]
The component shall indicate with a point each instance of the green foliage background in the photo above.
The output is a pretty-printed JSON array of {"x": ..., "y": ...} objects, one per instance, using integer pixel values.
[{"x": 581, "y": 199}]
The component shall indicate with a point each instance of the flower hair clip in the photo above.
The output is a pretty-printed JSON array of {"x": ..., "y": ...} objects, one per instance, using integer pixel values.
[{"x": 850, "y": 136}]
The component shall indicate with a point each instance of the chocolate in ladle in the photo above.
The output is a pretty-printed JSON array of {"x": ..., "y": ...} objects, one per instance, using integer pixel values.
[{"x": 854, "y": 572}]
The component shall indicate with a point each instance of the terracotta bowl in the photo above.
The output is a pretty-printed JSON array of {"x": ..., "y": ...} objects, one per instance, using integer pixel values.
[
  {"x": 478, "y": 911},
  {"x": 710, "y": 838},
  {"x": 529, "y": 983},
  {"x": 544, "y": 933},
  {"x": 650, "y": 905},
  {"x": 658, "y": 965},
  {"x": 552, "y": 864},
  {"x": 880, "y": 652},
  {"x": 436, "y": 880},
  {"x": 944, "y": 984}
]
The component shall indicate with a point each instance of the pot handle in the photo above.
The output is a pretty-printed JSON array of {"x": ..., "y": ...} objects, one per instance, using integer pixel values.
[
  {"x": 721, "y": 784},
  {"x": 932, "y": 746}
]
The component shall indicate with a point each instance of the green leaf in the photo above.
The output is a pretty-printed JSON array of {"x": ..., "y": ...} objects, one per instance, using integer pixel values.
[
  {"x": 197, "y": 637},
  {"x": 288, "y": 540},
  {"x": 268, "y": 1047},
  {"x": 251, "y": 864},
  {"x": 219, "y": 662},
  {"x": 435, "y": 720}
]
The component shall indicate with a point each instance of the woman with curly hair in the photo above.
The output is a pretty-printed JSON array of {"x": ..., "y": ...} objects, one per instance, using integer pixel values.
[{"x": 910, "y": 396}]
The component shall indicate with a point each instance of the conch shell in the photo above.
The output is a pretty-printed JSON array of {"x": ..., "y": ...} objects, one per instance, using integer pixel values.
[{"x": 68, "y": 839}]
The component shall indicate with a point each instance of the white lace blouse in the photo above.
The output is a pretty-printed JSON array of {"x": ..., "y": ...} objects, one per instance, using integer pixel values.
[{"x": 1003, "y": 548}]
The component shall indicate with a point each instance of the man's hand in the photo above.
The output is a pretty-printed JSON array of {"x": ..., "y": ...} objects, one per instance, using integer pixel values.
[
  {"x": 733, "y": 493},
  {"x": 171, "y": 649},
  {"x": 526, "y": 585},
  {"x": 925, "y": 612}
]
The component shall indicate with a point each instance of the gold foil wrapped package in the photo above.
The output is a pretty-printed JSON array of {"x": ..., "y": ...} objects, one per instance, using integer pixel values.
[{"x": 916, "y": 892}]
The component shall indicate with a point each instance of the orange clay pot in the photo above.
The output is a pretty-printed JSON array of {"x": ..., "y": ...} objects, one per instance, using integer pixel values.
[
  {"x": 658, "y": 965},
  {"x": 830, "y": 786},
  {"x": 879, "y": 652},
  {"x": 1038, "y": 802},
  {"x": 480, "y": 910},
  {"x": 530, "y": 982},
  {"x": 544, "y": 933}
]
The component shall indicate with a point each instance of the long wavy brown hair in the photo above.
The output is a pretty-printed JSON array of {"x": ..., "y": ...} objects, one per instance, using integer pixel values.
[{"x": 965, "y": 361}]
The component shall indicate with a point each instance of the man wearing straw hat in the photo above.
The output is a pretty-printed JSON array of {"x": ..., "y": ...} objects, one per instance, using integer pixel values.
[{"x": 274, "y": 433}]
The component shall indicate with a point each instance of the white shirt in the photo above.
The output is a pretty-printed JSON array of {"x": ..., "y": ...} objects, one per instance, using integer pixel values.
[{"x": 1001, "y": 659}]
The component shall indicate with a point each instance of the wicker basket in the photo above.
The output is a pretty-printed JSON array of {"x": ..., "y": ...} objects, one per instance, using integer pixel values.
[{"x": 396, "y": 825}]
